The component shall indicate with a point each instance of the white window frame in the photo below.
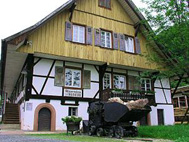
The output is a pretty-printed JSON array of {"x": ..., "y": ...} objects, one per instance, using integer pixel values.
[
  {"x": 129, "y": 44},
  {"x": 119, "y": 85},
  {"x": 105, "y": 81},
  {"x": 72, "y": 110},
  {"x": 105, "y": 41},
  {"x": 144, "y": 86},
  {"x": 79, "y": 33},
  {"x": 72, "y": 78}
]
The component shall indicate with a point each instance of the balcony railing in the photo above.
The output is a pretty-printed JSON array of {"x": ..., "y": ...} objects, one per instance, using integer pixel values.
[{"x": 127, "y": 95}]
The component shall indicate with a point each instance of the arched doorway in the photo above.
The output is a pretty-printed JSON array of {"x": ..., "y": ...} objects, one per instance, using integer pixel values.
[
  {"x": 45, "y": 115},
  {"x": 44, "y": 120}
]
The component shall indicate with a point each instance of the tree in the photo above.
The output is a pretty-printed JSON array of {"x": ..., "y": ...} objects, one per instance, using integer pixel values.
[{"x": 169, "y": 20}]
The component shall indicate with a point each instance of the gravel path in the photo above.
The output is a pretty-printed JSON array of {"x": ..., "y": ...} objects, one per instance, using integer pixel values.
[{"x": 22, "y": 138}]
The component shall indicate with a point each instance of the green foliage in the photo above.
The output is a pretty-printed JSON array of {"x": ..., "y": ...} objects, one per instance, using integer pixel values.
[
  {"x": 177, "y": 133},
  {"x": 77, "y": 138},
  {"x": 71, "y": 119},
  {"x": 170, "y": 22}
]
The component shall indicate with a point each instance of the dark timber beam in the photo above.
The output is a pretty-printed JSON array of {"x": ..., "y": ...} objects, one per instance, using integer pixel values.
[
  {"x": 102, "y": 70},
  {"x": 178, "y": 83},
  {"x": 29, "y": 68},
  {"x": 72, "y": 10},
  {"x": 137, "y": 27}
]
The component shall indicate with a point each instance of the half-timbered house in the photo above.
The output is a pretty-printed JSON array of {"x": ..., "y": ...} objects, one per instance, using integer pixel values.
[{"x": 73, "y": 56}]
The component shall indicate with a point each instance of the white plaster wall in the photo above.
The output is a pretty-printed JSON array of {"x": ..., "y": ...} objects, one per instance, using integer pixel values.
[
  {"x": 165, "y": 83},
  {"x": 42, "y": 67},
  {"x": 22, "y": 115},
  {"x": 168, "y": 114},
  {"x": 38, "y": 84},
  {"x": 52, "y": 90},
  {"x": 90, "y": 93},
  {"x": 159, "y": 94},
  {"x": 61, "y": 111}
]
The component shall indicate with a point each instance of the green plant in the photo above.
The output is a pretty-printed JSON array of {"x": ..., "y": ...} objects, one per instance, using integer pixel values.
[
  {"x": 71, "y": 119},
  {"x": 116, "y": 90}
]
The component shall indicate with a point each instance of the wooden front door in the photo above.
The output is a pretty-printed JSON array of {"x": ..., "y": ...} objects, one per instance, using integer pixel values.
[
  {"x": 160, "y": 117},
  {"x": 44, "y": 120}
]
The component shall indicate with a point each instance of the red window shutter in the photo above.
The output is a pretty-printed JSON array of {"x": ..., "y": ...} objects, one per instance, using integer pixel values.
[
  {"x": 68, "y": 31},
  {"x": 137, "y": 45},
  {"x": 89, "y": 35},
  {"x": 115, "y": 41},
  {"x": 97, "y": 37},
  {"x": 122, "y": 42}
]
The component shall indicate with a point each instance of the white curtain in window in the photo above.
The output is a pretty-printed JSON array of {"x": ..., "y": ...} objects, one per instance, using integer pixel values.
[
  {"x": 129, "y": 44},
  {"x": 106, "y": 40},
  {"x": 78, "y": 34}
]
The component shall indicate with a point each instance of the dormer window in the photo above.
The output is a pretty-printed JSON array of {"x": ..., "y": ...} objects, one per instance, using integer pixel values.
[{"x": 105, "y": 3}]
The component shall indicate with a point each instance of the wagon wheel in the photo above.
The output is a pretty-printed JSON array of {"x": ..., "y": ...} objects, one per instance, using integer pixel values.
[
  {"x": 92, "y": 130},
  {"x": 134, "y": 132},
  {"x": 100, "y": 132},
  {"x": 111, "y": 132},
  {"x": 119, "y": 132}
]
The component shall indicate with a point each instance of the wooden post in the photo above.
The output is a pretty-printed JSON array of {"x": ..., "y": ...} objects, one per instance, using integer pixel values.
[
  {"x": 102, "y": 70},
  {"x": 29, "y": 68}
]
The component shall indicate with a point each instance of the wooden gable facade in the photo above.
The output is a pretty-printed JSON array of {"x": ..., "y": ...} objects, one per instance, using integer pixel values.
[{"x": 50, "y": 37}]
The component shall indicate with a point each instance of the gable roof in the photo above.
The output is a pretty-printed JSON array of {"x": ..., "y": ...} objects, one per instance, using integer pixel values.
[{"x": 128, "y": 6}]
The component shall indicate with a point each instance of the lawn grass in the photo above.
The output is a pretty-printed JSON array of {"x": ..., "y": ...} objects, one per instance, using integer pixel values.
[
  {"x": 178, "y": 133},
  {"x": 77, "y": 138}
]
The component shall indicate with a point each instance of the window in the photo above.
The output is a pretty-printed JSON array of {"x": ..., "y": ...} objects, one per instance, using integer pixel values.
[
  {"x": 134, "y": 83},
  {"x": 119, "y": 82},
  {"x": 106, "y": 39},
  {"x": 175, "y": 102},
  {"x": 78, "y": 34},
  {"x": 182, "y": 102},
  {"x": 73, "y": 78},
  {"x": 145, "y": 84},
  {"x": 73, "y": 111},
  {"x": 105, "y": 3},
  {"x": 129, "y": 44},
  {"x": 107, "y": 81}
]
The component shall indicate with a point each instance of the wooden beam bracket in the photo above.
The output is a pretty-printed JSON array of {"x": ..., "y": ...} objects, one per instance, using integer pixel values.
[
  {"x": 72, "y": 10},
  {"x": 137, "y": 27}
]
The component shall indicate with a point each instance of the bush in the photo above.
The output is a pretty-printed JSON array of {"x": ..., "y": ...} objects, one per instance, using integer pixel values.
[{"x": 71, "y": 119}]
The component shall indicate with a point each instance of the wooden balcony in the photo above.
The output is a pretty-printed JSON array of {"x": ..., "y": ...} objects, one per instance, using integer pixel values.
[{"x": 127, "y": 95}]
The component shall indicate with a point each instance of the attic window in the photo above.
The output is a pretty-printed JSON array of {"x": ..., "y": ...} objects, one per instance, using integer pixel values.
[{"x": 105, "y": 3}]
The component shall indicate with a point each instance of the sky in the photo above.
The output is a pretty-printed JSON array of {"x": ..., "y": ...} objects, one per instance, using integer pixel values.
[{"x": 17, "y": 15}]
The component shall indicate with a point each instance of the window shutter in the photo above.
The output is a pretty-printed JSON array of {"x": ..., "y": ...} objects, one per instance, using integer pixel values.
[
  {"x": 59, "y": 77},
  {"x": 122, "y": 42},
  {"x": 108, "y": 3},
  {"x": 89, "y": 35},
  {"x": 137, "y": 45},
  {"x": 68, "y": 31},
  {"x": 86, "y": 79},
  {"x": 115, "y": 41},
  {"x": 97, "y": 37}
]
